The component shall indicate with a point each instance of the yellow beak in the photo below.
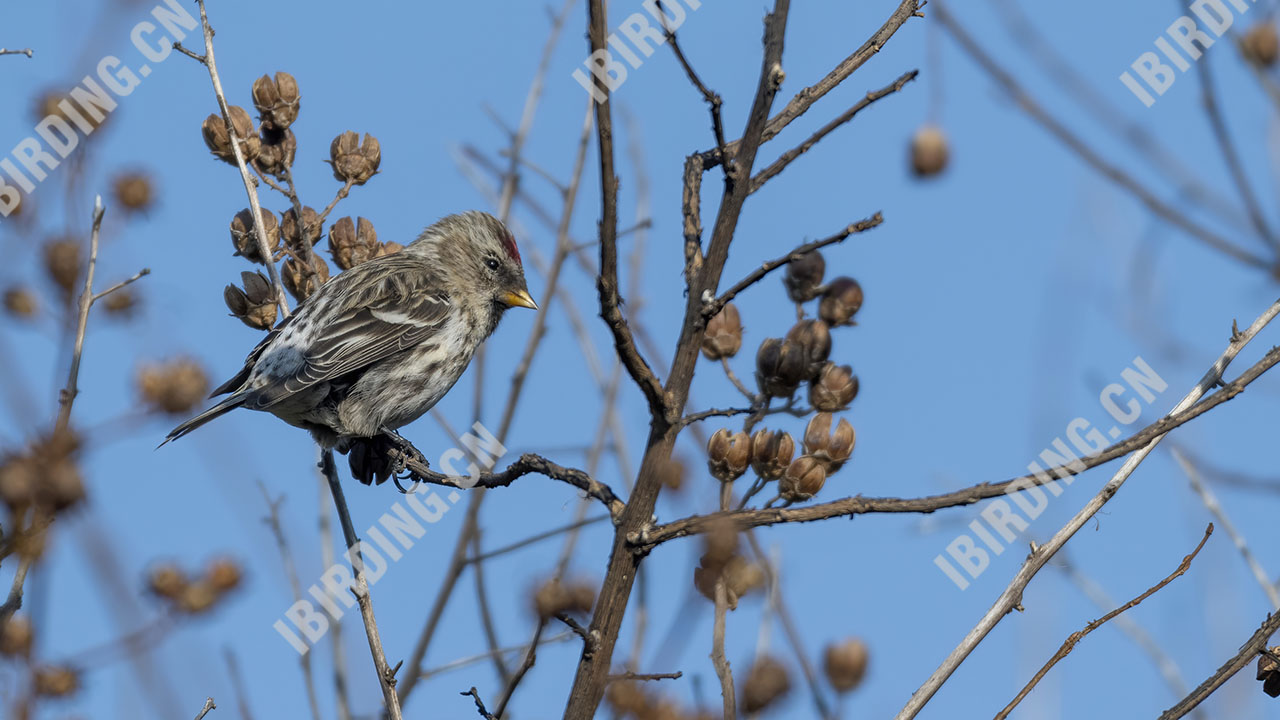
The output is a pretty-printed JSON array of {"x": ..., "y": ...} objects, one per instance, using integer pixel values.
[{"x": 519, "y": 298}]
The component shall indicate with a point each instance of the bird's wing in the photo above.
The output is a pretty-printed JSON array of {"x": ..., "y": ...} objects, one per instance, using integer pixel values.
[{"x": 376, "y": 310}]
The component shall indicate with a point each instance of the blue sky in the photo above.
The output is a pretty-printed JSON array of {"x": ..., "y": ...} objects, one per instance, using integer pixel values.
[{"x": 1001, "y": 299}]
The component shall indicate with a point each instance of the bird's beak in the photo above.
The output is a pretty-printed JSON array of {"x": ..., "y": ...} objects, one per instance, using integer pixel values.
[{"x": 519, "y": 298}]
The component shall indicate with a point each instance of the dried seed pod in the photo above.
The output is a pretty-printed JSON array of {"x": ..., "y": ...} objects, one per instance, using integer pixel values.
[
  {"x": 628, "y": 699},
  {"x": 767, "y": 682},
  {"x": 831, "y": 448},
  {"x": 255, "y": 305},
  {"x": 20, "y": 302},
  {"x": 929, "y": 152},
  {"x": 1269, "y": 673},
  {"x": 389, "y": 248},
  {"x": 122, "y": 303},
  {"x": 554, "y": 597},
  {"x": 780, "y": 367},
  {"x": 728, "y": 454},
  {"x": 355, "y": 161},
  {"x": 803, "y": 278},
  {"x": 276, "y": 100},
  {"x": 311, "y": 227},
  {"x": 672, "y": 472},
  {"x": 16, "y": 637},
  {"x": 19, "y": 482},
  {"x": 1260, "y": 45},
  {"x": 133, "y": 191},
  {"x": 299, "y": 282},
  {"x": 740, "y": 577},
  {"x": 840, "y": 302},
  {"x": 835, "y": 387},
  {"x": 814, "y": 337},
  {"x": 723, "y": 336},
  {"x": 803, "y": 479},
  {"x": 197, "y": 597},
  {"x": 218, "y": 140},
  {"x": 56, "y": 681},
  {"x": 845, "y": 664},
  {"x": 277, "y": 151},
  {"x": 224, "y": 575},
  {"x": 352, "y": 243},
  {"x": 771, "y": 453},
  {"x": 175, "y": 387},
  {"x": 62, "y": 485},
  {"x": 62, "y": 263},
  {"x": 49, "y": 104},
  {"x": 245, "y": 237},
  {"x": 167, "y": 581}
]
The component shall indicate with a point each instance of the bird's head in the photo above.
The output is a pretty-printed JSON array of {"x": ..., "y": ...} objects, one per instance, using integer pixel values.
[{"x": 480, "y": 257}]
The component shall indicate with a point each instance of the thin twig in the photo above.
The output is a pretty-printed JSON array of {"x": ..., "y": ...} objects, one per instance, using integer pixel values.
[
  {"x": 1011, "y": 597},
  {"x": 1070, "y": 643},
  {"x": 24, "y": 51},
  {"x": 718, "y": 659},
  {"x": 386, "y": 676},
  {"x": 1250, "y": 650},
  {"x": 1215, "y": 508},
  {"x": 208, "y": 705},
  {"x": 250, "y": 186},
  {"x": 295, "y": 585}
]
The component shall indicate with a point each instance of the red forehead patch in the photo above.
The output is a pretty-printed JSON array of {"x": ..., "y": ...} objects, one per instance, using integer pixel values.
[{"x": 509, "y": 244}]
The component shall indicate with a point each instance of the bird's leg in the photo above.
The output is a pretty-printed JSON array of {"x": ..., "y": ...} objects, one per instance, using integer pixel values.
[{"x": 405, "y": 452}]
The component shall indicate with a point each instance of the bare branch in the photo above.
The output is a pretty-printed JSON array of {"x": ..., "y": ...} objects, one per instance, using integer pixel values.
[
  {"x": 1070, "y": 643},
  {"x": 1250, "y": 650}
]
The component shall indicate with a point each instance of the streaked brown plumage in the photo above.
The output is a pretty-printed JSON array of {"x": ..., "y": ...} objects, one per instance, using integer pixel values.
[{"x": 379, "y": 345}]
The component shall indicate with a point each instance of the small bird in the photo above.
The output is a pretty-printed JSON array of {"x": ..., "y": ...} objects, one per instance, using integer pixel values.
[{"x": 377, "y": 346}]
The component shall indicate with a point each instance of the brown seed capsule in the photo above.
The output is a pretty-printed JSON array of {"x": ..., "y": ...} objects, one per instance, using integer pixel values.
[
  {"x": 218, "y": 140},
  {"x": 62, "y": 263},
  {"x": 56, "y": 681},
  {"x": 62, "y": 486},
  {"x": 803, "y": 479},
  {"x": 276, "y": 100},
  {"x": 780, "y": 367},
  {"x": 1269, "y": 673},
  {"x": 255, "y": 305},
  {"x": 20, "y": 302},
  {"x": 555, "y": 597},
  {"x": 49, "y": 104},
  {"x": 771, "y": 453},
  {"x": 841, "y": 301},
  {"x": 167, "y": 581},
  {"x": 224, "y": 575},
  {"x": 389, "y": 248},
  {"x": 311, "y": 227},
  {"x": 803, "y": 278},
  {"x": 728, "y": 454},
  {"x": 20, "y": 479},
  {"x": 740, "y": 577},
  {"x": 767, "y": 682},
  {"x": 831, "y": 448},
  {"x": 122, "y": 303},
  {"x": 354, "y": 161},
  {"x": 723, "y": 337},
  {"x": 352, "y": 243},
  {"x": 628, "y": 699},
  {"x": 245, "y": 237},
  {"x": 16, "y": 637},
  {"x": 929, "y": 153},
  {"x": 176, "y": 387},
  {"x": 845, "y": 664},
  {"x": 301, "y": 283},
  {"x": 133, "y": 191},
  {"x": 277, "y": 152},
  {"x": 672, "y": 473},
  {"x": 814, "y": 337},
  {"x": 1260, "y": 45},
  {"x": 197, "y": 597},
  {"x": 835, "y": 387}
]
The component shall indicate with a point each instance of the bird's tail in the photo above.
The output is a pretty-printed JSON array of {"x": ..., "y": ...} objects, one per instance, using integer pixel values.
[{"x": 231, "y": 403}]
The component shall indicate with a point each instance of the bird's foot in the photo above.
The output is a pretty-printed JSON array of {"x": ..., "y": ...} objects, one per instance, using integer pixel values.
[{"x": 404, "y": 453}]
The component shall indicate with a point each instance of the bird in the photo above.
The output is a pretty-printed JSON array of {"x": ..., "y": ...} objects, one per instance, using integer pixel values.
[{"x": 377, "y": 346}]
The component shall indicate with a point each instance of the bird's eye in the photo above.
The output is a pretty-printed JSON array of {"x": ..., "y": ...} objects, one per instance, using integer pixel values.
[{"x": 491, "y": 262}]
